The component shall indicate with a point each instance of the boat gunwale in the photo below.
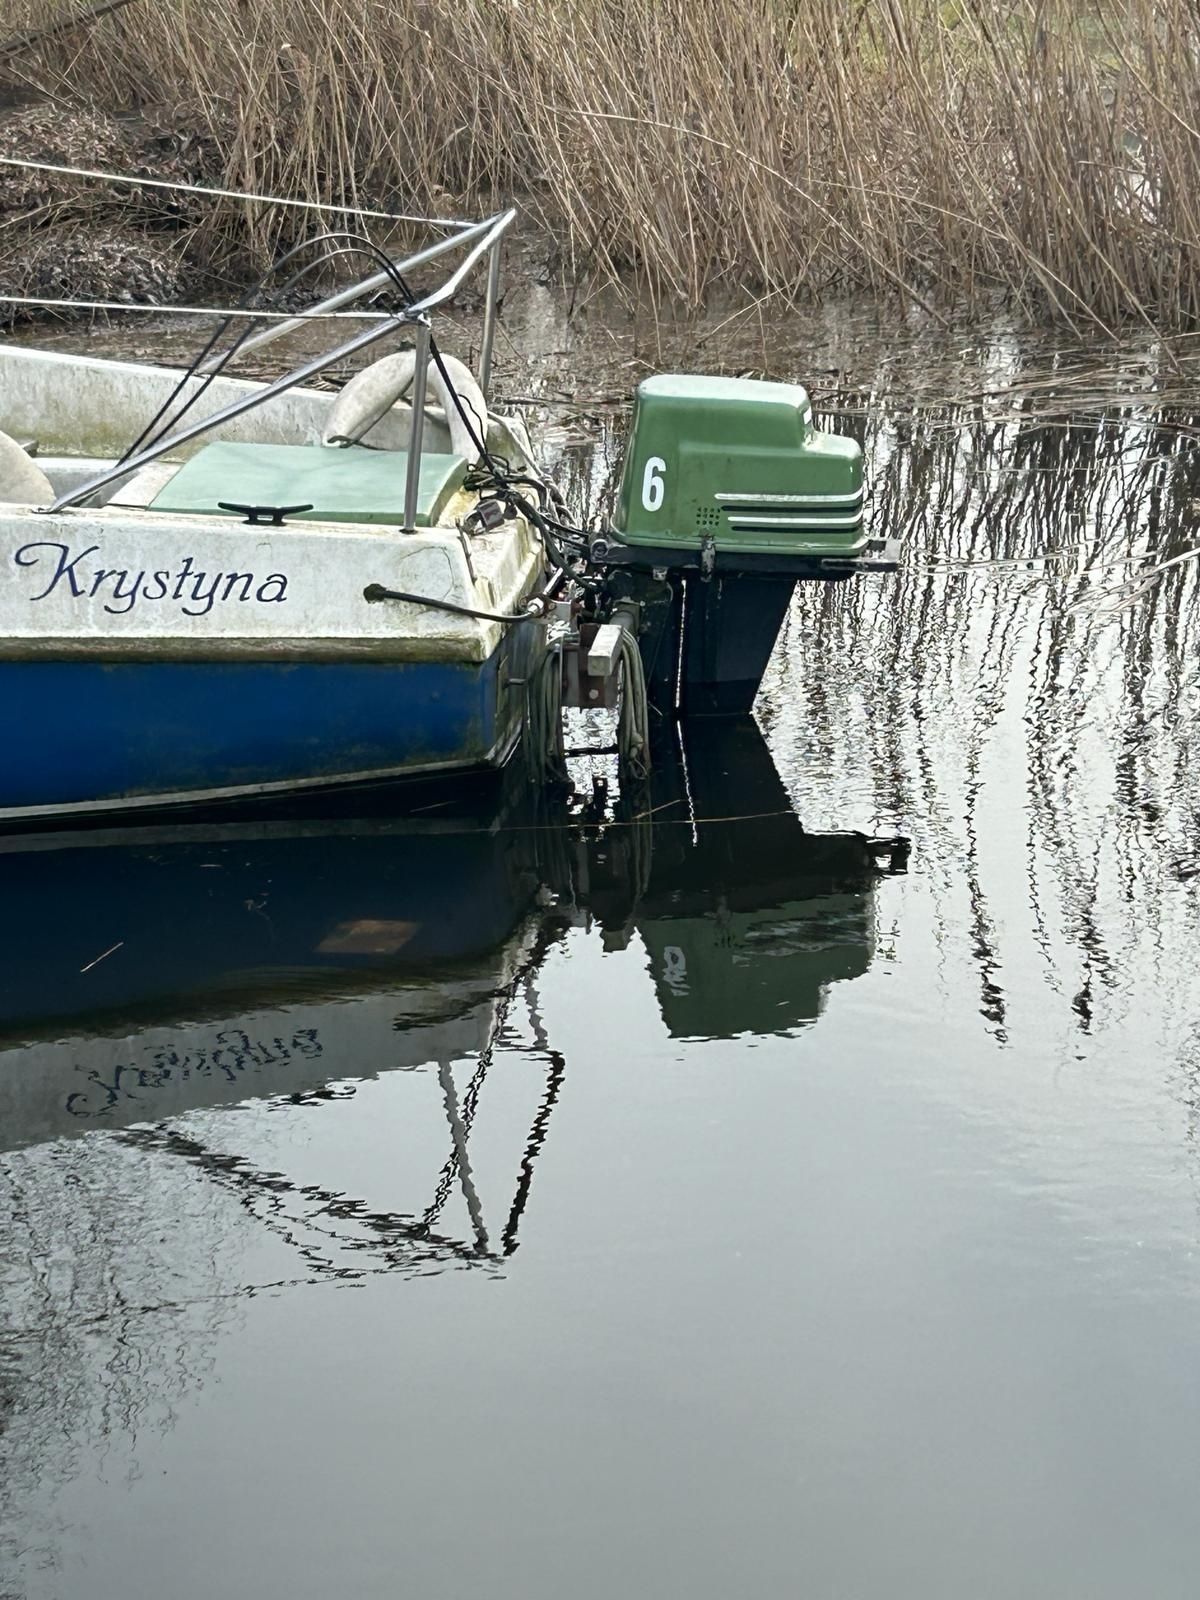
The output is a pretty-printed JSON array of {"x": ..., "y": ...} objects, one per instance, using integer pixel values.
[{"x": 490, "y": 762}]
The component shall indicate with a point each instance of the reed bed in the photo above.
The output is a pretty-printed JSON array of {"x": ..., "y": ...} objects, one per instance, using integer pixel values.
[{"x": 1045, "y": 152}]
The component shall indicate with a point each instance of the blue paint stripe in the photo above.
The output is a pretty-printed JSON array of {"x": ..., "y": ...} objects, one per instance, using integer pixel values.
[{"x": 77, "y": 731}]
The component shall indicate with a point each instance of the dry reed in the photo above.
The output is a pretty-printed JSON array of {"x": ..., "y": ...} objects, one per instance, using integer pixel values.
[{"x": 1047, "y": 151}]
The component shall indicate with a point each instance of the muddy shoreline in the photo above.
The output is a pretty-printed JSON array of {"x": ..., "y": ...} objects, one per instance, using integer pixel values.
[{"x": 69, "y": 238}]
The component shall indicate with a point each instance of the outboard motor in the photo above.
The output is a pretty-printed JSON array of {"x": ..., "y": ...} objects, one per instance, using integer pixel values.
[{"x": 729, "y": 496}]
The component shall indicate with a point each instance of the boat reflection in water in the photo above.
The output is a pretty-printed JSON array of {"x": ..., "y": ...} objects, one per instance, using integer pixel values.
[
  {"x": 746, "y": 918},
  {"x": 162, "y": 972}
]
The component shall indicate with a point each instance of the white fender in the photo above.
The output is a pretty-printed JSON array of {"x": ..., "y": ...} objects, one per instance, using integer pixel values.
[
  {"x": 373, "y": 392},
  {"x": 22, "y": 481}
]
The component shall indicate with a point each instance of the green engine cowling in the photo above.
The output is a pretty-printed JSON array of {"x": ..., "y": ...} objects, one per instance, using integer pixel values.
[
  {"x": 736, "y": 465},
  {"x": 728, "y": 497}
]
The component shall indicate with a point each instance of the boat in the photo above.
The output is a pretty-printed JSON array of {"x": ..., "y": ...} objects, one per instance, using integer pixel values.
[
  {"x": 278, "y": 588},
  {"x": 150, "y": 972}
]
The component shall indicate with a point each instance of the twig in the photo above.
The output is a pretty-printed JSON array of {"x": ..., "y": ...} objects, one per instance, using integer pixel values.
[
  {"x": 35, "y": 36},
  {"x": 111, "y": 949}
]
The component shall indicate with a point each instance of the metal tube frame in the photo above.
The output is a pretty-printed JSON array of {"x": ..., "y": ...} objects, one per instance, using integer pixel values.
[
  {"x": 355, "y": 291},
  {"x": 412, "y": 483},
  {"x": 490, "y": 307},
  {"x": 486, "y": 236}
]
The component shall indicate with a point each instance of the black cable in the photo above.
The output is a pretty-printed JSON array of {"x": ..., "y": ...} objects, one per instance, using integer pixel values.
[
  {"x": 376, "y": 591},
  {"x": 497, "y": 477},
  {"x": 358, "y": 244}
]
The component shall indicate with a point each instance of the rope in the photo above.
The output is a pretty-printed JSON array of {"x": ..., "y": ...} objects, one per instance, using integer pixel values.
[
  {"x": 227, "y": 194},
  {"x": 196, "y": 311},
  {"x": 633, "y": 720},
  {"x": 543, "y": 741}
]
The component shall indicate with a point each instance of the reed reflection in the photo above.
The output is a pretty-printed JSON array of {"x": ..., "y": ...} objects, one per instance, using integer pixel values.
[
  {"x": 260, "y": 980},
  {"x": 1023, "y": 697}
]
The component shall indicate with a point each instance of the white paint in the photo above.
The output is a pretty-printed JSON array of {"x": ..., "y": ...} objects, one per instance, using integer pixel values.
[
  {"x": 653, "y": 483},
  {"x": 81, "y": 405},
  {"x": 754, "y": 498},
  {"x": 123, "y": 581},
  {"x": 372, "y": 393},
  {"x": 605, "y": 650},
  {"x": 819, "y": 520},
  {"x": 22, "y": 481}
]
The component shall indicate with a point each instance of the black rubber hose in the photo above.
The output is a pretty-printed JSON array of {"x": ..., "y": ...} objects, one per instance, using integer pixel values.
[{"x": 376, "y": 591}]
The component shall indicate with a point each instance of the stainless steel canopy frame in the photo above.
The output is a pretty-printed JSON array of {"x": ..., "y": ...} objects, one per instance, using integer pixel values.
[{"x": 483, "y": 239}]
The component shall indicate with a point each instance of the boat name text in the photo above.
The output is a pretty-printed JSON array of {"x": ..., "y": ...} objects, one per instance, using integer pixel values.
[
  {"x": 194, "y": 589},
  {"x": 227, "y": 1059}
]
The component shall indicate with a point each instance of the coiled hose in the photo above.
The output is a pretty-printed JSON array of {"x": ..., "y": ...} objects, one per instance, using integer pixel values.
[
  {"x": 633, "y": 719},
  {"x": 543, "y": 741}
]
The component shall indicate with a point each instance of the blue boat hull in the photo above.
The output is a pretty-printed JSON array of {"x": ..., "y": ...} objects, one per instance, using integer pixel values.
[{"x": 83, "y": 735}]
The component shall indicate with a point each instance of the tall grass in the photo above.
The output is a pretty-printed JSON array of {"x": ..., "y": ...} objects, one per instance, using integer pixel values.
[{"x": 1046, "y": 150}]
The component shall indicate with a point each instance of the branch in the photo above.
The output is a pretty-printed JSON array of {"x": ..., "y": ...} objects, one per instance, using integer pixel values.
[{"x": 84, "y": 19}]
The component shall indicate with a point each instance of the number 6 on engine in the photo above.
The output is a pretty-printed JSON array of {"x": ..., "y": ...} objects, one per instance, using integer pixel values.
[{"x": 653, "y": 487}]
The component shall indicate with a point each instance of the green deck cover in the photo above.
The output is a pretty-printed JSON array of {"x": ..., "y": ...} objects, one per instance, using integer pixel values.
[{"x": 351, "y": 484}]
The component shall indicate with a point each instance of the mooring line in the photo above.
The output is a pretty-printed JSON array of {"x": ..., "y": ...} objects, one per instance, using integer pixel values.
[
  {"x": 197, "y": 311},
  {"x": 228, "y": 194}
]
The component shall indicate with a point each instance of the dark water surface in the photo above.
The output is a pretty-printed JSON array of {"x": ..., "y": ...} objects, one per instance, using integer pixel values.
[{"x": 806, "y": 1204}]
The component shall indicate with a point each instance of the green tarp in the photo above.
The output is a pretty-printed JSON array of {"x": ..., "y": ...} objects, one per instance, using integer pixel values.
[{"x": 353, "y": 484}]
